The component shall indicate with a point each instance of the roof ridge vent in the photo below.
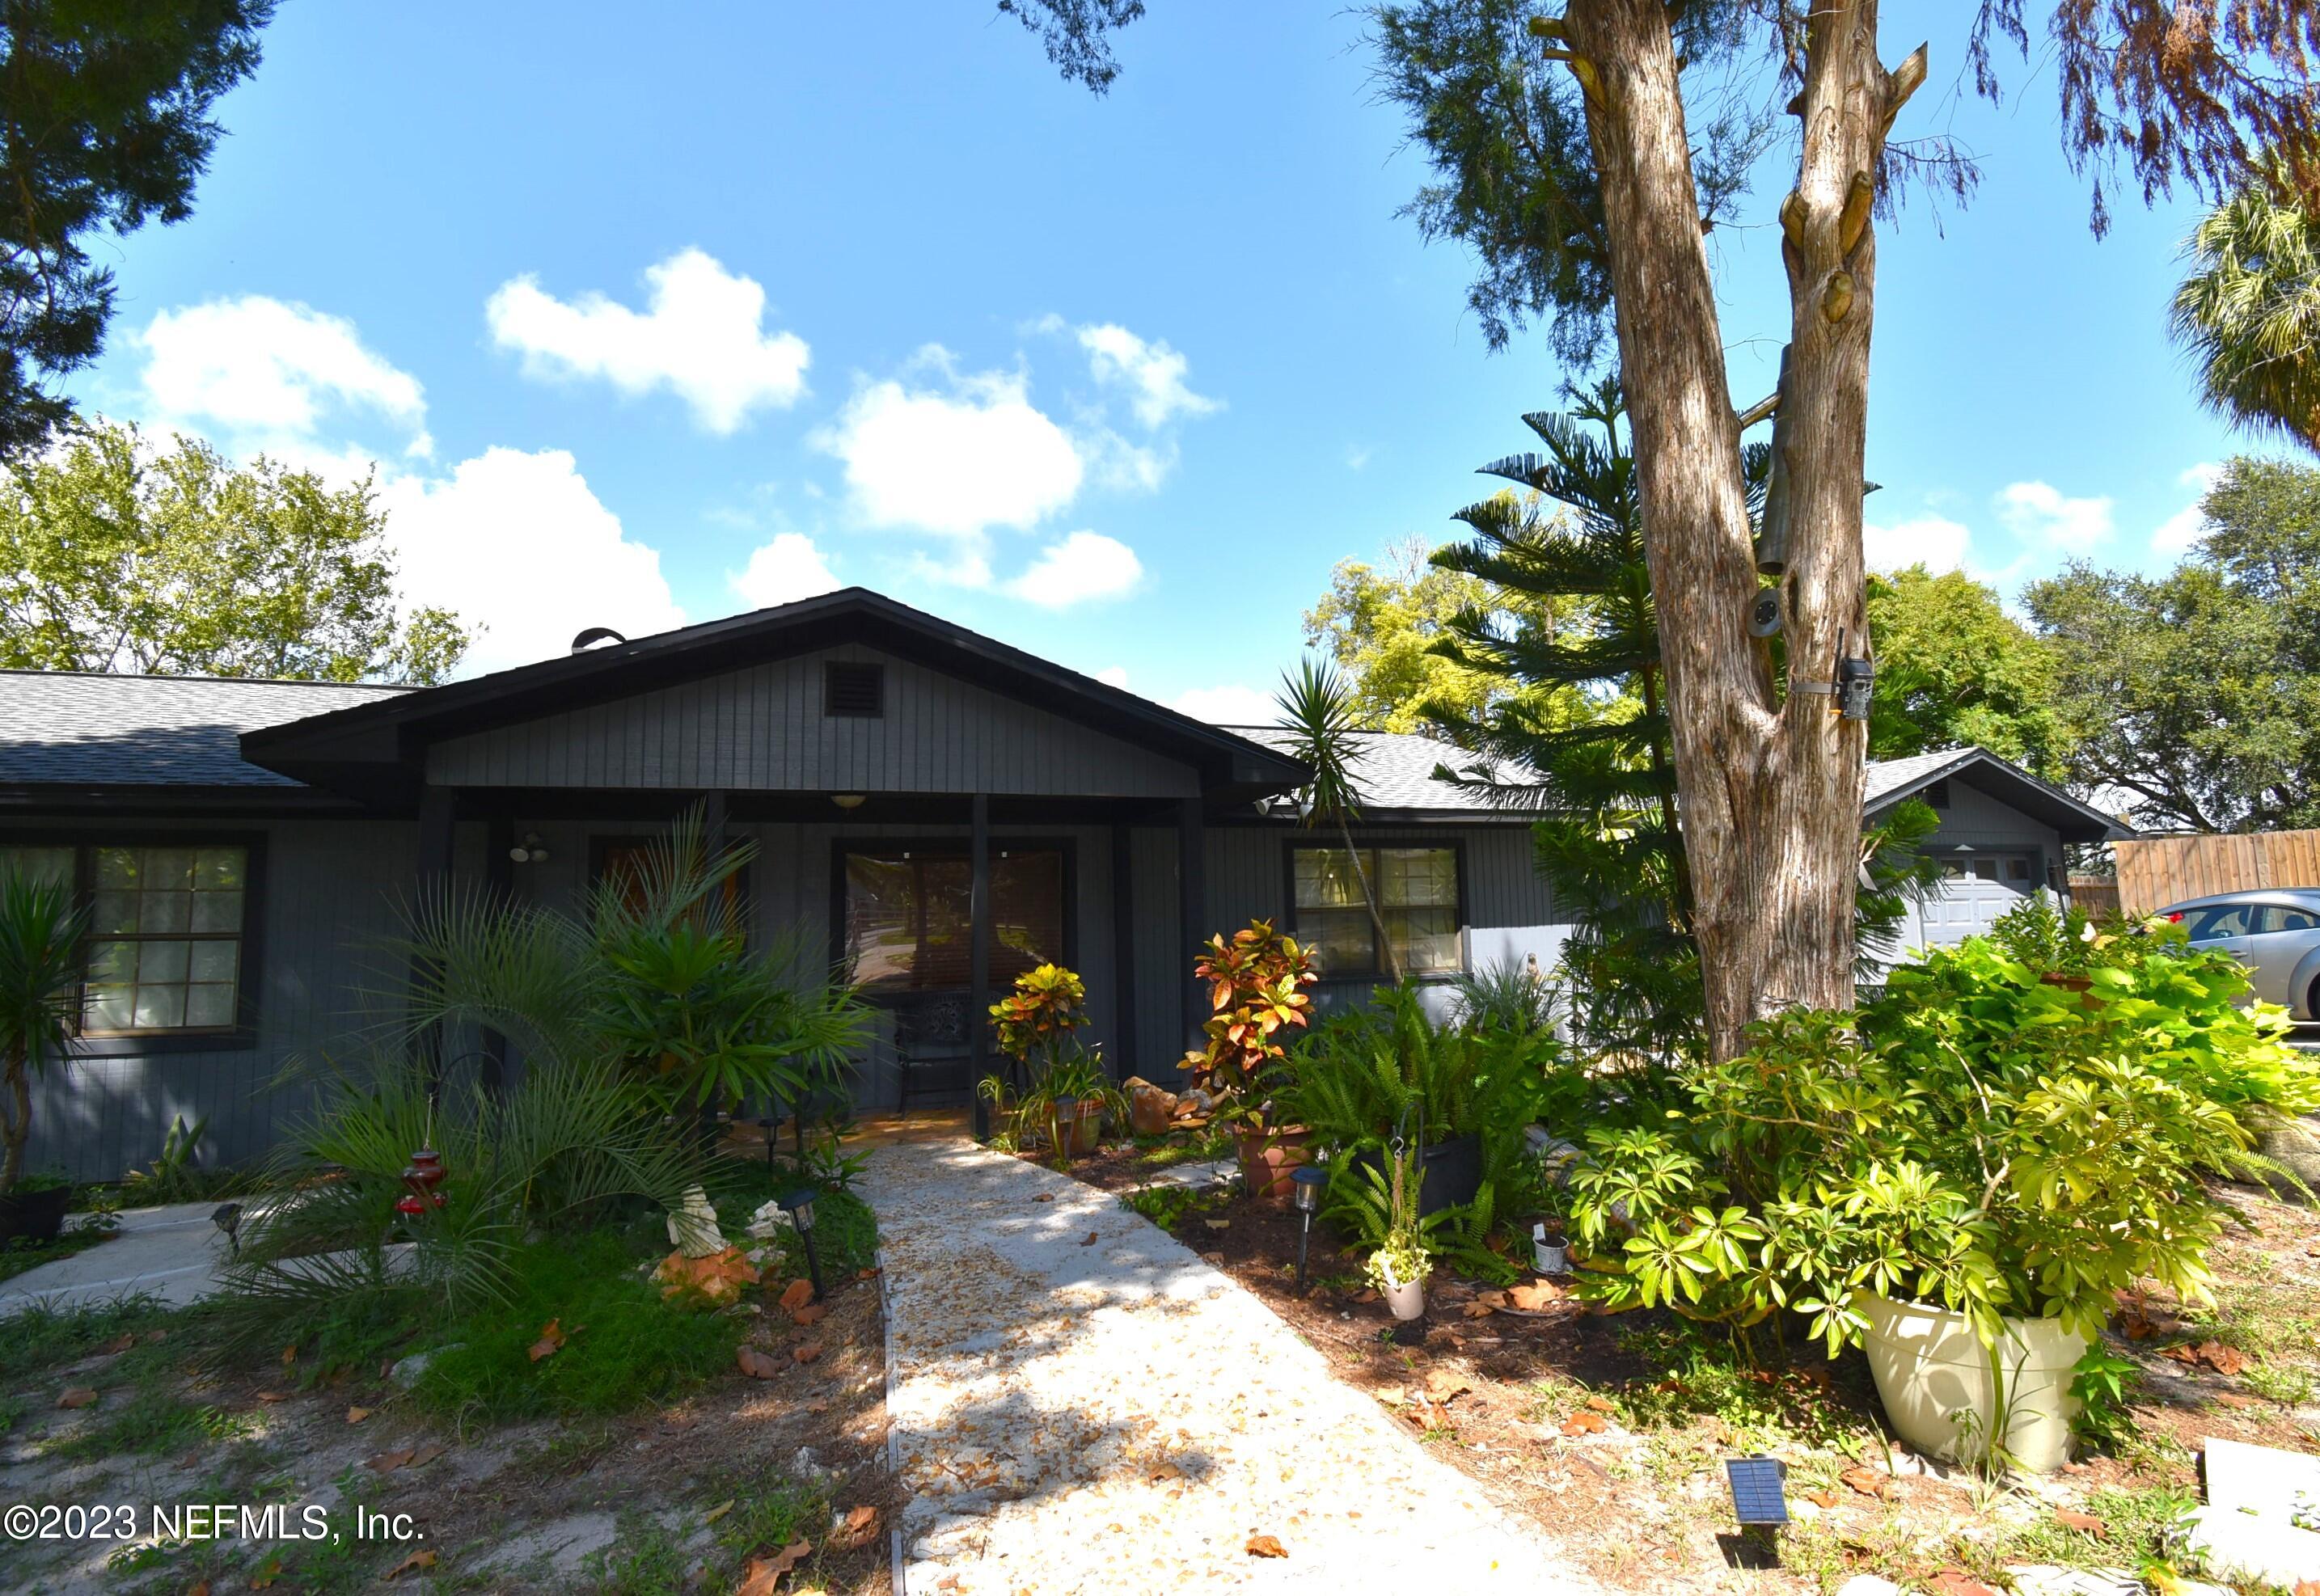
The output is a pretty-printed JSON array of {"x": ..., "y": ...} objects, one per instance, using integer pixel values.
[{"x": 584, "y": 641}]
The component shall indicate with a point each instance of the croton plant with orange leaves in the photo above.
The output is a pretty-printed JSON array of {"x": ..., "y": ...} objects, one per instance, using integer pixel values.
[
  {"x": 1257, "y": 985},
  {"x": 1039, "y": 1015}
]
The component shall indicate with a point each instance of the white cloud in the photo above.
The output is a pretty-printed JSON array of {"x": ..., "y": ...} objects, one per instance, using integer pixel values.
[
  {"x": 2181, "y": 530},
  {"x": 516, "y": 541},
  {"x": 263, "y": 373},
  {"x": 1113, "y": 675},
  {"x": 1232, "y": 705},
  {"x": 969, "y": 453},
  {"x": 782, "y": 571},
  {"x": 1934, "y": 542},
  {"x": 702, "y": 339},
  {"x": 2038, "y": 512},
  {"x": 1081, "y": 566},
  {"x": 1152, "y": 372}
]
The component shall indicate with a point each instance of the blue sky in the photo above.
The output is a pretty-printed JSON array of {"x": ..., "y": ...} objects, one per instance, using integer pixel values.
[{"x": 651, "y": 323}]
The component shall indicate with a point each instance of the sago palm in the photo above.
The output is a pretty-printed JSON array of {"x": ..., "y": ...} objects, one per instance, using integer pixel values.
[{"x": 2249, "y": 314}]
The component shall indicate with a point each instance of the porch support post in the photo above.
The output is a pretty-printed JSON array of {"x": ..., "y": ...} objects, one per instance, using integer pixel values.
[
  {"x": 978, "y": 958},
  {"x": 499, "y": 880},
  {"x": 712, "y": 821},
  {"x": 439, "y": 813},
  {"x": 1192, "y": 909},
  {"x": 1123, "y": 953}
]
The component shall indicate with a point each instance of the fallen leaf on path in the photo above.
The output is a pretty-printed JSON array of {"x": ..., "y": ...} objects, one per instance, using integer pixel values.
[
  {"x": 2235, "y": 1399},
  {"x": 807, "y": 1352},
  {"x": 551, "y": 1340},
  {"x": 1821, "y": 1498},
  {"x": 356, "y": 1415},
  {"x": 271, "y": 1397},
  {"x": 268, "y": 1572},
  {"x": 1603, "y": 1404},
  {"x": 858, "y": 1530},
  {"x": 120, "y": 1343},
  {"x": 811, "y": 1313},
  {"x": 1089, "y": 1239},
  {"x": 1535, "y": 1295},
  {"x": 417, "y": 1560},
  {"x": 757, "y": 1365},
  {"x": 198, "y": 1588},
  {"x": 1264, "y": 1546},
  {"x": 866, "y": 1274},
  {"x": 386, "y": 1463},
  {"x": 290, "y": 1354},
  {"x": 2070, "y": 1519},
  {"x": 717, "y": 1513},
  {"x": 1443, "y": 1386},
  {"x": 1213, "y": 1259},
  {"x": 1869, "y": 1481},
  {"x": 1045, "y": 1197},
  {"x": 1583, "y": 1423},
  {"x": 426, "y": 1453},
  {"x": 1478, "y": 1309},
  {"x": 764, "y": 1573},
  {"x": 76, "y": 1396},
  {"x": 796, "y": 1295}
]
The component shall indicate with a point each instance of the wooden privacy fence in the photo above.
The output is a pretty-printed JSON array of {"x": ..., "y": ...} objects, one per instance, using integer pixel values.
[{"x": 2156, "y": 871}]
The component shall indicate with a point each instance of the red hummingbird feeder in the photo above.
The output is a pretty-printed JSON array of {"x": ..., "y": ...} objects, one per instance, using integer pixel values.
[{"x": 421, "y": 1176}]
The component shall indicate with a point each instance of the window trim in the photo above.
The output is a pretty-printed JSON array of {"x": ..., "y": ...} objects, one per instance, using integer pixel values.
[
  {"x": 841, "y": 848},
  {"x": 241, "y": 1036},
  {"x": 1457, "y": 848}
]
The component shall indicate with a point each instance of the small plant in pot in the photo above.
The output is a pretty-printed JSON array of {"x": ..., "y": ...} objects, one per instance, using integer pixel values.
[
  {"x": 1550, "y": 1245},
  {"x": 1033, "y": 1025},
  {"x": 1399, "y": 1264},
  {"x": 41, "y": 930},
  {"x": 1257, "y": 985}
]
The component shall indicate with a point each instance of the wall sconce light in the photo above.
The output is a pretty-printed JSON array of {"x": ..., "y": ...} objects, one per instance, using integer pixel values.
[
  {"x": 848, "y": 800},
  {"x": 529, "y": 851}
]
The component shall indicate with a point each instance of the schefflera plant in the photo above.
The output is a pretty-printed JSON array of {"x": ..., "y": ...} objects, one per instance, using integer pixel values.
[{"x": 1988, "y": 1137}]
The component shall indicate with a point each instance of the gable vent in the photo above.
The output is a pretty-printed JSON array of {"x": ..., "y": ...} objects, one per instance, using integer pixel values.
[{"x": 851, "y": 690}]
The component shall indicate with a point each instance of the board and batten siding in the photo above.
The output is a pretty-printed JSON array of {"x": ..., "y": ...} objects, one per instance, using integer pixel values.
[
  {"x": 327, "y": 901},
  {"x": 762, "y": 729}
]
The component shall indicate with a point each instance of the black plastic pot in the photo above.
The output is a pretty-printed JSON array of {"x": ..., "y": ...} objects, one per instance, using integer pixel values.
[
  {"x": 35, "y": 1216},
  {"x": 1450, "y": 1173}
]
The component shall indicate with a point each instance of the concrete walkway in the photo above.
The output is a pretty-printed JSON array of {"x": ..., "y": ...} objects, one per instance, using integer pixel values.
[
  {"x": 1080, "y": 1403},
  {"x": 171, "y": 1252}
]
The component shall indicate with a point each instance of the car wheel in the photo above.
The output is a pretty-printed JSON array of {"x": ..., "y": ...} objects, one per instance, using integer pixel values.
[{"x": 2311, "y": 1002}]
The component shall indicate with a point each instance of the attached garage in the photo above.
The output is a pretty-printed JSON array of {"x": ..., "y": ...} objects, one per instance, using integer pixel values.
[{"x": 2001, "y": 836}]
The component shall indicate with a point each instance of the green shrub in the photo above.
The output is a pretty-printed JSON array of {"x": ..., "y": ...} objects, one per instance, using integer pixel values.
[
  {"x": 623, "y": 1345},
  {"x": 1988, "y": 1136}
]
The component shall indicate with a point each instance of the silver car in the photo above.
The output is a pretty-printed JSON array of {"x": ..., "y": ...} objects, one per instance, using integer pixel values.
[{"x": 2275, "y": 933}]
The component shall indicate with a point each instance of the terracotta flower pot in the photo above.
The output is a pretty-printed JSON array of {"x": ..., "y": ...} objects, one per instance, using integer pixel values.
[{"x": 1267, "y": 1158}]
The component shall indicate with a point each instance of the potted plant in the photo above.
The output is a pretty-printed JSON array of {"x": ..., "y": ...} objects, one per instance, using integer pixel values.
[
  {"x": 1256, "y": 984},
  {"x": 1397, "y": 1267},
  {"x": 1034, "y": 1024},
  {"x": 41, "y": 930},
  {"x": 1550, "y": 1245}
]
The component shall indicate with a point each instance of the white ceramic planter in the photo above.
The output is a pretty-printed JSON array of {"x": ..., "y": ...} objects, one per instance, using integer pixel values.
[
  {"x": 1404, "y": 1299},
  {"x": 1932, "y": 1371}
]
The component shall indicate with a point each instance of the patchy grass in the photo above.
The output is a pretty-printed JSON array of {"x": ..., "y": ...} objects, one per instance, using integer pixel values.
[
  {"x": 40, "y": 1337},
  {"x": 19, "y": 1254}
]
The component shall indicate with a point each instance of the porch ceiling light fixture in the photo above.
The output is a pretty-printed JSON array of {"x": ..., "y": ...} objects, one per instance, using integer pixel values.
[
  {"x": 529, "y": 851},
  {"x": 849, "y": 801}
]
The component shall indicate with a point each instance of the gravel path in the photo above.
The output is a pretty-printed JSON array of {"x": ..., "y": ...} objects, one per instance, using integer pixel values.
[{"x": 1080, "y": 1403}]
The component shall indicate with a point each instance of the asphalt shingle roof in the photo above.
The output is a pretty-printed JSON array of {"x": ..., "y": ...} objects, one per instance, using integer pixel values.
[
  {"x": 58, "y": 726},
  {"x": 1397, "y": 769},
  {"x": 1890, "y": 776}
]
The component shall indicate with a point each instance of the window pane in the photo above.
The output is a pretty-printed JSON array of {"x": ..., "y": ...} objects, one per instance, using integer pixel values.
[
  {"x": 38, "y": 863},
  {"x": 1415, "y": 876},
  {"x": 115, "y": 911},
  {"x": 113, "y": 961},
  {"x": 111, "y": 1008},
  {"x": 169, "y": 869},
  {"x": 1027, "y": 914},
  {"x": 117, "y": 867},
  {"x": 214, "y": 961},
  {"x": 908, "y": 920},
  {"x": 1326, "y": 879},
  {"x": 1425, "y": 939},
  {"x": 2017, "y": 869},
  {"x": 160, "y": 961},
  {"x": 1985, "y": 869},
  {"x": 161, "y": 1008},
  {"x": 209, "y": 1004},
  {"x": 218, "y": 870},
  {"x": 217, "y": 912},
  {"x": 164, "y": 912},
  {"x": 1340, "y": 939}
]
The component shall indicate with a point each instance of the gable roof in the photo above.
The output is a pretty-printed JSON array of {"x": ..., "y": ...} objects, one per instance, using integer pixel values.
[
  {"x": 1889, "y": 780},
  {"x": 94, "y": 730},
  {"x": 374, "y": 749}
]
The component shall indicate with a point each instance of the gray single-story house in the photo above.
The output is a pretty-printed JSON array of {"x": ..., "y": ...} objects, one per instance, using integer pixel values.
[{"x": 933, "y": 811}]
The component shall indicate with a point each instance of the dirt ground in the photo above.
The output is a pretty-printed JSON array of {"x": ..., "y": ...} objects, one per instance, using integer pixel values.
[
  {"x": 1611, "y": 1431},
  {"x": 682, "y": 1498}
]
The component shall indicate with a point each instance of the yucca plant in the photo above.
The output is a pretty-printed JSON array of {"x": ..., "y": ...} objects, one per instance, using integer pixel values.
[{"x": 40, "y": 931}]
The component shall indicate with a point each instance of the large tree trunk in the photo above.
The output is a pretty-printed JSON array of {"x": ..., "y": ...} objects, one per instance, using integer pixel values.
[{"x": 1769, "y": 782}]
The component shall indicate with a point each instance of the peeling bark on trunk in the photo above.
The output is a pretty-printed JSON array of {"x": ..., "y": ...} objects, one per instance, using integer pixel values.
[{"x": 1769, "y": 782}]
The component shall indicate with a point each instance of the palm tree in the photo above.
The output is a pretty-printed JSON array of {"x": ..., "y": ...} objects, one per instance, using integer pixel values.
[
  {"x": 40, "y": 931},
  {"x": 2249, "y": 313},
  {"x": 1319, "y": 712}
]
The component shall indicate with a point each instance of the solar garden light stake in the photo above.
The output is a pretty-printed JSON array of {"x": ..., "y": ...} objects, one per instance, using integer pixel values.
[
  {"x": 799, "y": 1204},
  {"x": 1066, "y": 1111},
  {"x": 1758, "y": 1502},
  {"x": 1305, "y": 1183}
]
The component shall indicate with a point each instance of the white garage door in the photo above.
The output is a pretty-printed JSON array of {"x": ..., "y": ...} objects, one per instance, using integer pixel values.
[{"x": 1980, "y": 888}]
